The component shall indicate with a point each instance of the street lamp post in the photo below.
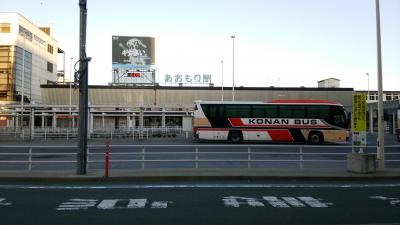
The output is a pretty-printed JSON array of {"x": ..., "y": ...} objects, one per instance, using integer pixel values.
[
  {"x": 70, "y": 88},
  {"x": 222, "y": 75},
  {"x": 368, "y": 87},
  {"x": 233, "y": 67},
  {"x": 380, "y": 149},
  {"x": 63, "y": 66},
  {"x": 83, "y": 92},
  {"x": 370, "y": 109}
]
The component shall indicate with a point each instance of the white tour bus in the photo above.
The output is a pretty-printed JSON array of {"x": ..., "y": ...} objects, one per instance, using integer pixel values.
[{"x": 313, "y": 121}]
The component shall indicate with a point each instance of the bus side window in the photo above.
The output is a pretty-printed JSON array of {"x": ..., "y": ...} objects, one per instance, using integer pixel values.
[
  {"x": 230, "y": 111},
  {"x": 265, "y": 111},
  {"x": 238, "y": 111},
  {"x": 221, "y": 111},
  {"x": 318, "y": 112},
  {"x": 271, "y": 111},
  {"x": 292, "y": 111},
  {"x": 258, "y": 111},
  {"x": 213, "y": 112},
  {"x": 205, "y": 109}
]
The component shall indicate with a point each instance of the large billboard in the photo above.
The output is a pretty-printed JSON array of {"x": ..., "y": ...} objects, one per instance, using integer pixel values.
[
  {"x": 136, "y": 51},
  {"x": 133, "y": 60}
]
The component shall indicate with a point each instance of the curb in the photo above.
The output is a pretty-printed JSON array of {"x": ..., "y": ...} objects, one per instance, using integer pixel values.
[{"x": 199, "y": 175}]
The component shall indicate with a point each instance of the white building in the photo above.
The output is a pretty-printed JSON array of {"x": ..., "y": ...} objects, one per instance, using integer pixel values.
[
  {"x": 329, "y": 83},
  {"x": 28, "y": 58}
]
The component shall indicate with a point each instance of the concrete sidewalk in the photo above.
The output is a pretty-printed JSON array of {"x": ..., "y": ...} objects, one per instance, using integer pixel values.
[{"x": 197, "y": 174}]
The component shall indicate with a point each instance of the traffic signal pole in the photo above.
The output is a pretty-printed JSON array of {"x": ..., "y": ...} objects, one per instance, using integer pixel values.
[{"x": 83, "y": 92}]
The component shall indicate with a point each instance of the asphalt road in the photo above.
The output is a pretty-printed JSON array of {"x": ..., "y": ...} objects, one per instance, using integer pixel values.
[
  {"x": 158, "y": 151},
  {"x": 201, "y": 203}
]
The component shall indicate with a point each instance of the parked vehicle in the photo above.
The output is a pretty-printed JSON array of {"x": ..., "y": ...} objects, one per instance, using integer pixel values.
[{"x": 313, "y": 121}]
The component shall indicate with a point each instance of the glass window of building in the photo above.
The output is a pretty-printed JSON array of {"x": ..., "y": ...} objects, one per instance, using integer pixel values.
[
  {"x": 50, "y": 48},
  {"x": 45, "y": 29},
  {"x": 22, "y": 74},
  {"x": 40, "y": 42},
  {"x": 25, "y": 33},
  {"x": 5, "y": 27},
  {"x": 50, "y": 67},
  {"x": 5, "y": 73}
]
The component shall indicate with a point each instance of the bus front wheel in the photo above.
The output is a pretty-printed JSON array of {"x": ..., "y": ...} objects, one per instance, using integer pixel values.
[
  {"x": 315, "y": 138},
  {"x": 235, "y": 136}
]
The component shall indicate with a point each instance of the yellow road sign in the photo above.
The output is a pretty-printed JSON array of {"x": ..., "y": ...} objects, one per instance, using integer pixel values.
[{"x": 359, "y": 113}]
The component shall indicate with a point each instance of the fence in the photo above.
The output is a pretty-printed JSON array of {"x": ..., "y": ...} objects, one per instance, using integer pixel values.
[
  {"x": 186, "y": 156},
  {"x": 71, "y": 133}
]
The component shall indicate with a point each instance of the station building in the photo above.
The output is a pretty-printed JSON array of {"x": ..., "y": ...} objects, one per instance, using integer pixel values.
[{"x": 119, "y": 106}]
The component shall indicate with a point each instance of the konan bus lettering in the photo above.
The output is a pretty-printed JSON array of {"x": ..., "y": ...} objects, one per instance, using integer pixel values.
[{"x": 275, "y": 121}]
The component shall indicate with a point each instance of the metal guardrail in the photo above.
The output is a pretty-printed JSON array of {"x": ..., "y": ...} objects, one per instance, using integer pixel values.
[
  {"x": 194, "y": 155},
  {"x": 71, "y": 133}
]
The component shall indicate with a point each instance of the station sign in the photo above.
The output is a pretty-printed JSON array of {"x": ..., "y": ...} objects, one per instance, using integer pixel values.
[{"x": 187, "y": 78}]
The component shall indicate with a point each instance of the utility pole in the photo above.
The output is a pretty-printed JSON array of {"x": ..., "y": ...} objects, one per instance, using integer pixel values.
[
  {"x": 83, "y": 91},
  {"x": 381, "y": 144}
]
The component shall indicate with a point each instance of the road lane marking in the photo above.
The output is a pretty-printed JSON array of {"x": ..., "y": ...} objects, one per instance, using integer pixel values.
[
  {"x": 137, "y": 203},
  {"x": 3, "y": 203},
  {"x": 276, "y": 202},
  {"x": 344, "y": 186},
  {"x": 160, "y": 204},
  {"x": 107, "y": 203},
  {"x": 293, "y": 202},
  {"x": 140, "y": 203},
  {"x": 313, "y": 202},
  {"x": 233, "y": 201},
  {"x": 77, "y": 204},
  {"x": 392, "y": 201}
]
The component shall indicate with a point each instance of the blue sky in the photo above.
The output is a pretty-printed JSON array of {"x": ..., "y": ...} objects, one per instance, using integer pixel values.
[{"x": 285, "y": 43}]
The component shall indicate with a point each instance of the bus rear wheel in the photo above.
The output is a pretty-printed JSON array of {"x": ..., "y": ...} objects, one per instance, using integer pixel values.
[
  {"x": 315, "y": 138},
  {"x": 235, "y": 136}
]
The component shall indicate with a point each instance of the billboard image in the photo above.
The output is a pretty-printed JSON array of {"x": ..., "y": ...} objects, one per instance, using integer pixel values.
[
  {"x": 136, "y": 51},
  {"x": 132, "y": 59}
]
